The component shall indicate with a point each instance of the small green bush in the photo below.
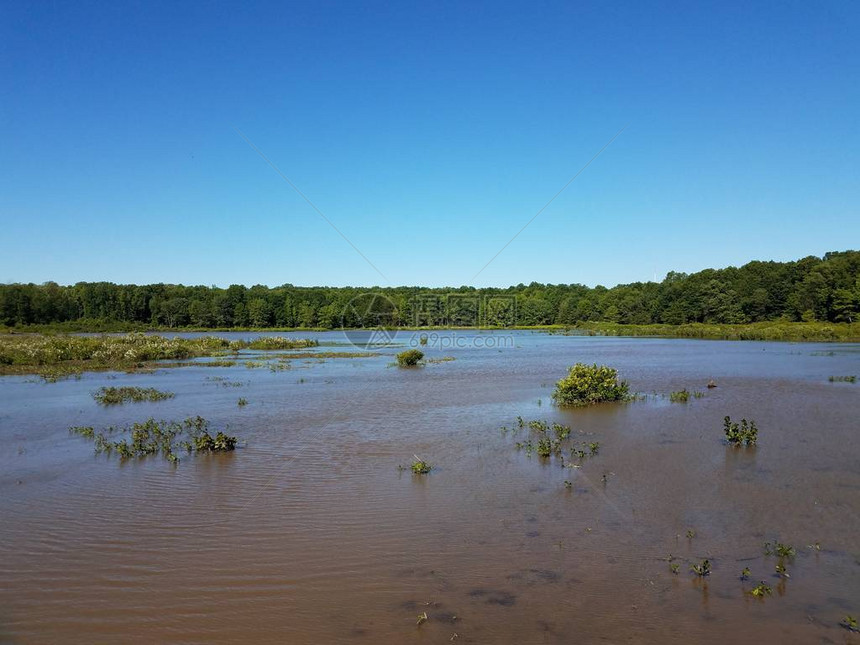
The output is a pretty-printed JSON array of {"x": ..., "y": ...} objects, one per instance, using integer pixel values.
[
  {"x": 740, "y": 434},
  {"x": 419, "y": 466},
  {"x": 588, "y": 384},
  {"x": 409, "y": 358}
]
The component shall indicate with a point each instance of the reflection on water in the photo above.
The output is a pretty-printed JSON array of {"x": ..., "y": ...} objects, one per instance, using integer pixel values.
[{"x": 310, "y": 533}]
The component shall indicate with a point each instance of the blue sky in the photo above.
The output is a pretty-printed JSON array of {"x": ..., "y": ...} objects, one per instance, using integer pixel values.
[{"x": 429, "y": 134}]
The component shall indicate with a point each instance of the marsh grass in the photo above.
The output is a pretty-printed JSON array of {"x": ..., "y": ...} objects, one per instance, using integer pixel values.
[
  {"x": 153, "y": 437},
  {"x": 843, "y": 379},
  {"x": 304, "y": 355},
  {"x": 683, "y": 396},
  {"x": 279, "y": 342},
  {"x": 57, "y": 356},
  {"x": 119, "y": 395},
  {"x": 441, "y": 359},
  {"x": 553, "y": 441},
  {"x": 776, "y": 330}
]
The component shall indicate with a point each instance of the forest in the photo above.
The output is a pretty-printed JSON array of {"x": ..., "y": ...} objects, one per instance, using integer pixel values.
[{"x": 824, "y": 289}]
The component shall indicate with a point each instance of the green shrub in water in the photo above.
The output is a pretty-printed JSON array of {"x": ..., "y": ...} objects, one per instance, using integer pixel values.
[
  {"x": 589, "y": 384},
  {"x": 409, "y": 358},
  {"x": 744, "y": 433}
]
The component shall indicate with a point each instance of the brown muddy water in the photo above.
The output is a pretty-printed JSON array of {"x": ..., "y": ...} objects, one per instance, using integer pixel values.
[{"x": 309, "y": 533}]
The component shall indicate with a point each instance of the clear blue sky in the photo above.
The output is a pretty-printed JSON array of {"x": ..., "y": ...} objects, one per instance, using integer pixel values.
[{"x": 429, "y": 133}]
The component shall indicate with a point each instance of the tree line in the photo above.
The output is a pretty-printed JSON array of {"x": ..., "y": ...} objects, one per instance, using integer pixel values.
[{"x": 809, "y": 289}]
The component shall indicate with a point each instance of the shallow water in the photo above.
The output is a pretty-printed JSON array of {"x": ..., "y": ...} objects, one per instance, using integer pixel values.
[{"x": 309, "y": 533}]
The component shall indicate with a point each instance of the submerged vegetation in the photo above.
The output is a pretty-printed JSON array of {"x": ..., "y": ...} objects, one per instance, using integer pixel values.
[
  {"x": 744, "y": 433},
  {"x": 761, "y": 590},
  {"x": 843, "y": 379},
  {"x": 702, "y": 569},
  {"x": 556, "y": 441},
  {"x": 120, "y": 395},
  {"x": 682, "y": 396},
  {"x": 418, "y": 467},
  {"x": 62, "y": 354},
  {"x": 779, "y": 549},
  {"x": 849, "y": 622},
  {"x": 158, "y": 437},
  {"x": 409, "y": 358},
  {"x": 589, "y": 384},
  {"x": 279, "y": 342}
]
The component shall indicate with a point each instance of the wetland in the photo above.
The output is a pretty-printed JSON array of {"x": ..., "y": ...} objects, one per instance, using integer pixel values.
[{"x": 454, "y": 501}]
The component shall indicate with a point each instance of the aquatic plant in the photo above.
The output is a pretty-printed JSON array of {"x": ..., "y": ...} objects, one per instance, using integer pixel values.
[
  {"x": 779, "y": 549},
  {"x": 422, "y": 618},
  {"x": 545, "y": 447},
  {"x": 60, "y": 355},
  {"x": 120, "y": 395},
  {"x": 409, "y": 358},
  {"x": 419, "y": 466},
  {"x": 681, "y": 396},
  {"x": 849, "y": 622},
  {"x": 703, "y": 569},
  {"x": 690, "y": 534},
  {"x": 561, "y": 432},
  {"x": 279, "y": 342},
  {"x": 843, "y": 379},
  {"x": 745, "y": 573},
  {"x": 83, "y": 431},
  {"x": 422, "y": 340},
  {"x": 242, "y": 402},
  {"x": 538, "y": 426},
  {"x": 781, "y": 571},
  {"x": 745, "y": 433},
  {"x": 589, "y": 384},
  {"x": 223, "y": 443},
  {"x": 761, "y": 590},
  {"x": 440, "y": 359},
  {"x": 152, "y": 437}
]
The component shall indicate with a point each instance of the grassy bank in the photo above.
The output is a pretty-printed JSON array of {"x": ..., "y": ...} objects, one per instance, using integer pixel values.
[
  {"x": 778, "y": 331},
  {"x": 57, "y": 355}
]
